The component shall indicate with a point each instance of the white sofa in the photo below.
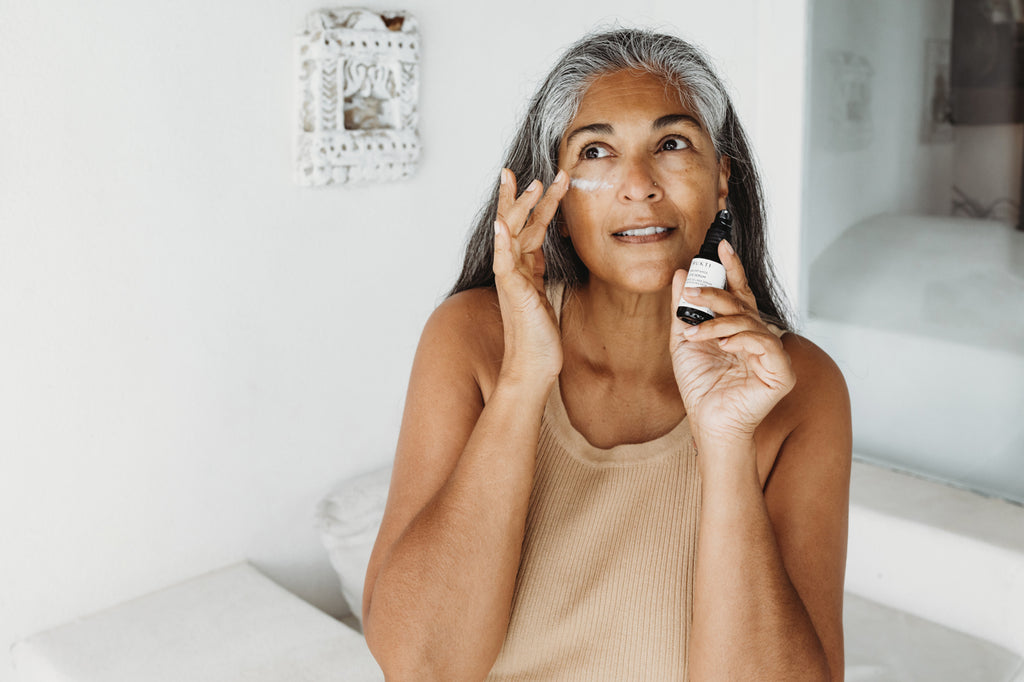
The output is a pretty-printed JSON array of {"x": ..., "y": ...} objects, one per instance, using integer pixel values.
[{"x": 935, "y": 592}]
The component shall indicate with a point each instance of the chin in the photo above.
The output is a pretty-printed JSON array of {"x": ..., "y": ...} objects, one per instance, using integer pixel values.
[{"x": 649, "y": 280}]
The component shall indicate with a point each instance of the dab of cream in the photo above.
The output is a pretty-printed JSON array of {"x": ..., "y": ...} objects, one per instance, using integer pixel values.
[{"x": 589, "y": 185}]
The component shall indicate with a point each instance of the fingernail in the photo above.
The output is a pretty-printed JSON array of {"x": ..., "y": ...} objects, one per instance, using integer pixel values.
[
  {"x": 497, "y": 227},
  {"x": 691, "y": 331},
  {"x": 533, "y": 186},
  {"x": 504, "y": 178},
  {"x": 728, "y": 246},
  {"x": 692, "y": 291},
  {"x": 560, "y": 176}
]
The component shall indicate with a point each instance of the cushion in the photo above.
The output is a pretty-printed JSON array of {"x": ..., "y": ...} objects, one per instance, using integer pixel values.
[
  {"x": 348, "y": 520},
  {"x": 231, "y": 625}
]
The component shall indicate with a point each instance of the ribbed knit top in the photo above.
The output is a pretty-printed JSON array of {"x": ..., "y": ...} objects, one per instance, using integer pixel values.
[{"x": 605, "y": 583}]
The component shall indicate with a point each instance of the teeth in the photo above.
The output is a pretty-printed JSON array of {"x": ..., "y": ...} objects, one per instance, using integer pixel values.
[{"x": 643, "y": 232}]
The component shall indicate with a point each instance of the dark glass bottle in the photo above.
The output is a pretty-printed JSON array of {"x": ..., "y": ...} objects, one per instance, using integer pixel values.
[{"x": 706, "y": 270}]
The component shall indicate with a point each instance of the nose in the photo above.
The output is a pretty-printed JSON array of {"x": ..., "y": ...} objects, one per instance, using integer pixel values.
[{"x": 638, "y": 183}]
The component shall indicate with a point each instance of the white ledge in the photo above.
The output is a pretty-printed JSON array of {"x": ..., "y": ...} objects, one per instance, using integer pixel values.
[{"x": 944, "y": 554}]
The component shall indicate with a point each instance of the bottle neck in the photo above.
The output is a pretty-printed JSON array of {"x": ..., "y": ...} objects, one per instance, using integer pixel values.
[{"x": 709, "y": 249}]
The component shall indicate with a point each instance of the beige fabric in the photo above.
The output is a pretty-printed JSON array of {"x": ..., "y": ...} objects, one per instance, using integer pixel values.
[{"x": 605, "y": 584}]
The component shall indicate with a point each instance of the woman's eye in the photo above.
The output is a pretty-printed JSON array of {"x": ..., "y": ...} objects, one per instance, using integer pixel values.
[
  {"x": 594, "y": 152},
  {"x": 674, "y": 143}
]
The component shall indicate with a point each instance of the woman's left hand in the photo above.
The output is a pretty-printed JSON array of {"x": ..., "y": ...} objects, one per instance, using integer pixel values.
[{"x": 730, "y": 370}]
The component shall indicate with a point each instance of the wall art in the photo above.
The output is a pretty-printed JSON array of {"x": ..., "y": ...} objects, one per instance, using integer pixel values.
[{"x": 358, "y": 86}]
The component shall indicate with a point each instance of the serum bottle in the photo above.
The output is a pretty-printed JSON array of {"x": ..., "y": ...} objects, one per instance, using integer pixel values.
[{"x": 706, "y": 270}]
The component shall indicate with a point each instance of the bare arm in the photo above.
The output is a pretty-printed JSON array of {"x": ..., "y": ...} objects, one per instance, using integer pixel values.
[
  {"x": 808, "y": 496},
  {"x": 440, "y": 580},
  {"x": 769, "y": 575},
  {"x": 770, "y": 562}
]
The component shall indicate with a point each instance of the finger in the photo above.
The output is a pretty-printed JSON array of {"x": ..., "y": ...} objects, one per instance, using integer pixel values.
[
  {"x": 521, "y": 207},
  {"x": 719, "y": 301},
  {"x": 678, "y": 326},
  {"x": 752, "y": 342},
  {"x": 735, "y": 275},
  {"x": 504, "y": 258},
  {"x": 506, "y": 193},
  {"x": 723, "y": 327},
  {"x": 678, "y": 282},
  {"x": 533, "y": 234},
  {"x": 772, "y": 363}
]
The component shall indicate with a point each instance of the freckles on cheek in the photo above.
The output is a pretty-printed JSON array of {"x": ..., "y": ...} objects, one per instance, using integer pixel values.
[
  {"x": 579, "y": 209},
  {"x": 587, "y": 191}
]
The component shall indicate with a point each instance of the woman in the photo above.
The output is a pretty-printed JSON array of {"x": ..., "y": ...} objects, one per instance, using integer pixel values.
[{"x": 586, "y": 488}]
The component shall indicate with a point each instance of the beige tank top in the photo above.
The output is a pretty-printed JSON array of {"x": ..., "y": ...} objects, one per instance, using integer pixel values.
[{"x": 605, "y": 583}]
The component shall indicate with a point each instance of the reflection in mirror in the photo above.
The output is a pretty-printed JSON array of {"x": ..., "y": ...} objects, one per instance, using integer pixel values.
[
  {"x": 914, "y": 275},
  {"x": 913, "y": 281}
]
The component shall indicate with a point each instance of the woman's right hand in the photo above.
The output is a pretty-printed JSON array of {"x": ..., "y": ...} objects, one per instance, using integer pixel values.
[{"x": 533, "y": 346}]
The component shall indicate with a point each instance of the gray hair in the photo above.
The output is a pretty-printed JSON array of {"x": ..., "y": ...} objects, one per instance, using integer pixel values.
[{"x": 534, "y": 153}]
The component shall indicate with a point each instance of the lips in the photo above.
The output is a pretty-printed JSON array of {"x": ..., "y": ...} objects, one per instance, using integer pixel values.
[{"x": 643, "y": 234}]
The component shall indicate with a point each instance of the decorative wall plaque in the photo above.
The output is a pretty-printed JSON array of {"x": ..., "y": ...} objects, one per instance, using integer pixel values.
[{"x": 358, "y": 78}]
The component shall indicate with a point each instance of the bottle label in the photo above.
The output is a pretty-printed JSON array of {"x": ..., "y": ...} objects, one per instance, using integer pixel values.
[{"x": 704, "y": 273}]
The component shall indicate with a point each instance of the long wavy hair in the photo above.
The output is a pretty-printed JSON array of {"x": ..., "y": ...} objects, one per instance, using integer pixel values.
[{"x": 534, "y": 154}]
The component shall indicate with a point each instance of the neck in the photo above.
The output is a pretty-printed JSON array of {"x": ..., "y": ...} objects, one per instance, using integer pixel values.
[{"x": 621, "y": 334}]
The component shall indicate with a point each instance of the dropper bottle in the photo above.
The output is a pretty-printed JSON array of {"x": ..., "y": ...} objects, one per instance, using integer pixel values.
[{"x": 706, "y": 270}]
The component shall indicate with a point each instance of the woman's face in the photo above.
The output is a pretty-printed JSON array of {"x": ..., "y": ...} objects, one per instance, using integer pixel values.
[{"x": 645, "y": 181}]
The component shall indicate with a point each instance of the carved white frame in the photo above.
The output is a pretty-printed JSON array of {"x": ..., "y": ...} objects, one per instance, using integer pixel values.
[{"x": 358, "y": 86}]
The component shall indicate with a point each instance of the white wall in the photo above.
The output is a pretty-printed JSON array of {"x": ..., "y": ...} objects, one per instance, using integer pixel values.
[
  {"x": 779, "y": 131},
  {"x": 194, "y": 349},
  {"x": 892, "y": 169}
]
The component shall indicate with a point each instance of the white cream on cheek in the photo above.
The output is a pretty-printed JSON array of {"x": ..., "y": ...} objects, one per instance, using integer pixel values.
[{"x": 589, "y": 185}]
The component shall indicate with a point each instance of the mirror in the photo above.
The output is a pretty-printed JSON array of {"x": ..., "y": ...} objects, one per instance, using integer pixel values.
[{"x": 914, "y": 261}]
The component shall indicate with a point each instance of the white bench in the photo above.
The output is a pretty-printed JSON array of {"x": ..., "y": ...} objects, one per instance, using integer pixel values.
[
  {"x": 934, "y": 582},
  {"x": 230, "y": 625}
]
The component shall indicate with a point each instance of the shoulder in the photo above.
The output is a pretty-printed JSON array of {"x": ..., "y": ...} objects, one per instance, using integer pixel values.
[
  {"x": 813, "y": 420},
  {"x": 811, "y": 426},
  {"x": 466, "y": 328},
  {"x": 470, "y": 318},
  {"x": 820, "y": 386},
  {"x": 465, "y": 311}
]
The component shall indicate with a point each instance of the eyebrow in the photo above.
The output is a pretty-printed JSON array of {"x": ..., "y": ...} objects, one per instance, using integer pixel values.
[
  {"x": 662, "y": 122},
  {"x": 598, "y": 128},
  {"x": 672, "y": 119}
]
